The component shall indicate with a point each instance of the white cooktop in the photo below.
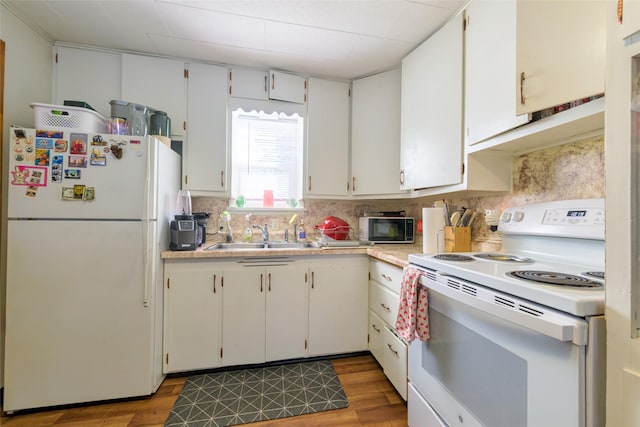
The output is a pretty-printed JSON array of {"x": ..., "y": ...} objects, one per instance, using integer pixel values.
[{"x": 565, "y": 237}]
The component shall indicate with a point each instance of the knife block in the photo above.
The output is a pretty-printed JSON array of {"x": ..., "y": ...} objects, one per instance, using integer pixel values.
[{"x": 457, "y": 239}]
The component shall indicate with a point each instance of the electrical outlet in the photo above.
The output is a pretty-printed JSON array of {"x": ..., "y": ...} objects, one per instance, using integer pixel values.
[
  {"x": 492, "y": 216},
  {"x": 275, "y": 225}
]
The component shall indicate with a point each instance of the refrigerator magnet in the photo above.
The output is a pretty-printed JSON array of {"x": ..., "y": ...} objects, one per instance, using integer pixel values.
[
  {"x": 116, "y": 150},
  {"x": 72, "y": 173},
  {"x": 29, "y": 175},
  {"x": 41, "y": 133},
  {"x": 78, "y": 143},
  {"x": 42, "y": 157},
  {"x": 89, "y": 193},
  {"x": 31, "y": 191},
  {"x": 97, "y": 158},
  {"x": 67, "y": 193},
  {"x": 78, "y": 191},
  {"x": 77, "y": 161},
  {"x": 60, "y": 146},
  {"x": 44, "y": 143}
]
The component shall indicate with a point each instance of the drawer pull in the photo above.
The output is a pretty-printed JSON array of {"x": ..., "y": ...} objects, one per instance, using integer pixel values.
[
  {"x": 387, "y": 278},
  {"x": 375, "y": 328},
  {"x": 386, "y": 307},
  {"x": 392, "y": 350}
]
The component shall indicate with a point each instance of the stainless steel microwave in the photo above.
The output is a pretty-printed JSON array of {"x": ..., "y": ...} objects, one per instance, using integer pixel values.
[{"x": 386, "y": 229}]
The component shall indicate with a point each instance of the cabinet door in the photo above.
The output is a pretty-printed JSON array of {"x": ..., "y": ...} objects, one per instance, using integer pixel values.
[
  {"x": 431, "y": 121},
  {"x": 158, "y": 83},
  {"x": 630, "y": 17},
  {"x": 205, "y": 150},
  {"x": 287, "y": 87},
  {"x": 375, "y": 134},
  {"x": 191, "y": 316},
  {"x": 560, "y": 52},
  {"x": 286, "y": 312},
  {"x": 338, "y": 305},
  {"x": 376, "y": 337},
  {"x": 490, "y": 58},
  {"x": 87, "y": 75},
  {"x": 243, "y": 316},
  {"x": 248, "y": 83},
  {"x": 327, "y": 138}
]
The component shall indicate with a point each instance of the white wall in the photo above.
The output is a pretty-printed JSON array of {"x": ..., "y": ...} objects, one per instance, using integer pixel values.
[{"x": 27, "y": 78}]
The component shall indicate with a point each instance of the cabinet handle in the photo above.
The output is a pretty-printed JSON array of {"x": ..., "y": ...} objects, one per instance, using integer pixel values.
[
  {"x": 392, "y": 350},
  {"x": 273, "y": 81},
  {"x": 401, "y": 176},
  {"x": 266, "y": 85},
  {"x": 313, "y": 280},
  {"x": 386, "y": 277},
  {"x": 386, "y": 307},
  {"x": 309, "y": 182},
  {"x": 375, "y": 328},
  {"x": 214, "y": 283},
  {"x": 353, "y": 183},
  {"x": 261, "y": 281},
  {"x": 221, "y": 179},
  {"x": 522, "y": 78},
  {"x": 269, "y": 282}
]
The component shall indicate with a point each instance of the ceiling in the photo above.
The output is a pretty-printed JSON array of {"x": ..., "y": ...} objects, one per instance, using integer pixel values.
[{"x": 326, "y": 38}]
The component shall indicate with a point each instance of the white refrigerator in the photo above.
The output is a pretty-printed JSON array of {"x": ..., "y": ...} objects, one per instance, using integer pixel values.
[{"x": 88, "y": 216}]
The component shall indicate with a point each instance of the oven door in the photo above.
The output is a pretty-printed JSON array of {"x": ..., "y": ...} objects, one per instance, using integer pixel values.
[{"x": 479, "y": 369}]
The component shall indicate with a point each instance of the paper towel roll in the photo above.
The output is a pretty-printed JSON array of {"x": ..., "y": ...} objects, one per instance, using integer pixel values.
[{"x": 432, "y": 224}]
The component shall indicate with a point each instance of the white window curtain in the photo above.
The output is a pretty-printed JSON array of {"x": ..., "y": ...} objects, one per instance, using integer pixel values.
[{"x": 267, "y": 141}]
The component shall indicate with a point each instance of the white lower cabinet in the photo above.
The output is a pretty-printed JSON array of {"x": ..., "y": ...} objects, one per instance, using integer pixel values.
[
  {"x": 337, "y": 304},
  {"x": 192, "y": 313},
  {"x": 388, "y": 349},
  {"x": 238, "y": 311},
  {"x": 263, "y": 313}
]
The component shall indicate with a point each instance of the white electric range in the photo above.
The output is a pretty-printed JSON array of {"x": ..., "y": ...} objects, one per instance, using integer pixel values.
[{"x": 516, "y": 332}]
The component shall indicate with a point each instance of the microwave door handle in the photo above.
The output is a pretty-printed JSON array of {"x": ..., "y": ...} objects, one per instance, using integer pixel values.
[{"x": 550, "y": 323}]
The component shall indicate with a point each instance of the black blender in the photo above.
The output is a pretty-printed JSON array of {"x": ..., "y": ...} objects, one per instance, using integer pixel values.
[{"x": 184, "y": 230}]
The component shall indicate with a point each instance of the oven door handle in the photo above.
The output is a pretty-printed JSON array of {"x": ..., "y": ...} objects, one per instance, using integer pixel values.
[{"x": 528, "y": 315}]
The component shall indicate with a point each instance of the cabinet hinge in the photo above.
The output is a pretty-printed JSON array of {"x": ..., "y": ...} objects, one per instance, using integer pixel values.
[
  {"x": 184, "y": 125},
  {"x": 349, "y": 92},
  {"x": 305, "y": 97},
  {"x": 186, "y": 73},
  {"x": 230, "y": 75},
  {"x": 186, "y": 179},
  {"x": 462, "y": 169},
  {"x": 465, "y": 23}
]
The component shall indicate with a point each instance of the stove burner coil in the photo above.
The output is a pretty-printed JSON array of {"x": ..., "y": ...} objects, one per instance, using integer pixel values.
[
  {"x": 453, "y": 257},
  {"x": 596, "y": 274},
  {"x": 553, "y": 278},
  {"x": 504, "y": 257}
]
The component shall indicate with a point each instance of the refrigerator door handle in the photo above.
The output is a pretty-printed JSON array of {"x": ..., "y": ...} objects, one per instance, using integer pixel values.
[{"x": 147, "y": 258}]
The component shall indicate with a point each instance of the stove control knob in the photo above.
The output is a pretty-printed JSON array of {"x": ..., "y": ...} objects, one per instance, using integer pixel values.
[
  {"x": 518, "y": 216},
  {"x": 506, "y": 217}
]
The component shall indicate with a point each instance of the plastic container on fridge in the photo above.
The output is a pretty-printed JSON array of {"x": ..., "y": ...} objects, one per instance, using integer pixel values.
[{"x": 67, "y": 118}]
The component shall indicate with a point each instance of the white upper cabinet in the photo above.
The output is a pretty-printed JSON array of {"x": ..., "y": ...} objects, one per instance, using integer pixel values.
[
  {"x": 327, "y": 138},
  {"x": 158, "y": 83},
  {"x": 490, "y": 58},
  {"x": 431, "y": 113},
  {"x": 630, "y": 17},
  {"x": 87, "y": 75},
  {"x": 375, "y": 134},
  {"x": 205, "y": 149},
  {"x": 248, "y": 83},
  {"x": 560, "y": 48},
  {"x": 287, "y": 87}
]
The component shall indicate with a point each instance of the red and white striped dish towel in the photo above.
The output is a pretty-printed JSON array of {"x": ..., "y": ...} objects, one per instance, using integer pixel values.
[{"x": 413, "y": 312}]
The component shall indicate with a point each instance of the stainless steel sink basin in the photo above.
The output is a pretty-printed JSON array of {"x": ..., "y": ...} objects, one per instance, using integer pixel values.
[{"x": 262, "y": 245}]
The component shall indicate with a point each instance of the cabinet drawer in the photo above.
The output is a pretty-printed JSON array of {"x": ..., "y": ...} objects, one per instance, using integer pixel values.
[
  {"x": 384, "y": 302},
  {"x": 386, "y": 274},
  {"x": 395, "y": 361},
  {"x": 376, "y": 336}
]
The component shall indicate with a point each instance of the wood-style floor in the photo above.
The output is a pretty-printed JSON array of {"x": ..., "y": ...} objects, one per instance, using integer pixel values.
[{"x": 372, "y": 402}]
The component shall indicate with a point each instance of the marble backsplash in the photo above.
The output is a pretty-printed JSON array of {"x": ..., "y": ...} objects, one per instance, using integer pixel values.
[{"x": 570, "y": 171}]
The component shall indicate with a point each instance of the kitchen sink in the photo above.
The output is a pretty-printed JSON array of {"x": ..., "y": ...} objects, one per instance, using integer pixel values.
[{"x": 263, "y": 245}]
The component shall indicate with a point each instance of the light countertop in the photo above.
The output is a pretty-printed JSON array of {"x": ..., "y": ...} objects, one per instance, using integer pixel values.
[{"x": 396, "y": 254}]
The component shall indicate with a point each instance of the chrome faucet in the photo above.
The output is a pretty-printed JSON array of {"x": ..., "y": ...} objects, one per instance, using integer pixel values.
[{"x": 264, "y": 230}]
